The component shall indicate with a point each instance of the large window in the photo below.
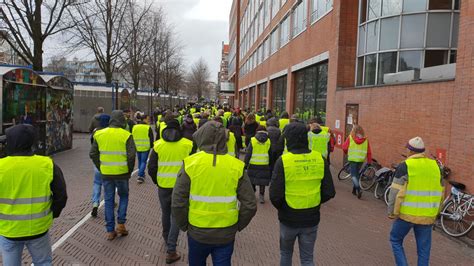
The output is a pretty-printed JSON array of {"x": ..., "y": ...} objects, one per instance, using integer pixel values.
[
  {"x": 401, "y": 35},
  {"x": 252, "y": 99},
  {"x": 279, "y": 95},
  {"x": 284, "y": 31},
  {"x": 275, "y": 7},
  {"x": 266, "y": 48},
  {"x": 262, "y": 90},
  {"x": 299, "y": 18},
  {"x": 267, "y": 12},
  {"x": 274, "y": 41},
  {"x": 319, "y": 8},
  {"x": 311, "y": 91}
]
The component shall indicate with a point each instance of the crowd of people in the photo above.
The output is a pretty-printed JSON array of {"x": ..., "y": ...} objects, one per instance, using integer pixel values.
[{"x": 208, "y": 162}]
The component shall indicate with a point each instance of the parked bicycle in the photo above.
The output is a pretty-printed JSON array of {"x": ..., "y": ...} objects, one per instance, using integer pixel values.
[
  {"x": 457, "y": 215},
  {"x": 366, "y": 173},
  {"x": 383, "y": 181}
]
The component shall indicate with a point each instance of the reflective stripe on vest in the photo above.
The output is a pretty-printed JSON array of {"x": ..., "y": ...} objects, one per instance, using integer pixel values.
[
  {"x": 231, "y": 144},
  {"x": 260, "y": 152},
  {"x": 213, "y": 192},
  {"x": 319, "y": 142},
  {"x": 141, "y": 138},
  {"x": 25, "y": 195},
  {"x": 170, "y": 160},
  {"x": 357, "y": 152},
  {"x": 112, "y": 144},
  {"x": 424, "y": 189},
  {"x": 303, "y": 175}
]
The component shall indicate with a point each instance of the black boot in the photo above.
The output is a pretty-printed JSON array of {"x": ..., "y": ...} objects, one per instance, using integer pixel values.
[{"x": 354, "y": 191}]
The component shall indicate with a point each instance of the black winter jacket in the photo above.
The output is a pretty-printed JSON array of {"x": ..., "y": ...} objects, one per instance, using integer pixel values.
[{"x": 258, "y": 174}]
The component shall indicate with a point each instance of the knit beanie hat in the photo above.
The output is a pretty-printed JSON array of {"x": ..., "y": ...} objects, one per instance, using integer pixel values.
[{"x": 416, "y": 144}]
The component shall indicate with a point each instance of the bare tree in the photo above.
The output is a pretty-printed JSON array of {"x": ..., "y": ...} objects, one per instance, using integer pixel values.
[
  {"x": 198, "y": 78},
  {"x": 140, "y": 42},
  {"x": 101, "y": 27},
  {"x": 30, "y": 23}
]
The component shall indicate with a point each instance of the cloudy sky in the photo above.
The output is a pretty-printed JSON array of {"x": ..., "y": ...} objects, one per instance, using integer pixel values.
[{"x": 200, "y": 25}]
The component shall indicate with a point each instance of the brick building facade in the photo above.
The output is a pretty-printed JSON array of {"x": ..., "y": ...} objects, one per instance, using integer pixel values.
[{"x": 397, "y": 68}]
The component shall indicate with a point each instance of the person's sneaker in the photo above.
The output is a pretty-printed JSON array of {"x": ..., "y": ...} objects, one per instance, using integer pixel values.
[
  {"x": 111, "y": 235},
  {"x": 121, "y": 230},
  {"x": 354, "y": 191},
  {"x": 140, "y": 180},
  {"x": 94, "y": 211},
  {"x": 261, "y": 199},
  {"x": 359, "y": 194},
  {"x": 172, "y": 257}
]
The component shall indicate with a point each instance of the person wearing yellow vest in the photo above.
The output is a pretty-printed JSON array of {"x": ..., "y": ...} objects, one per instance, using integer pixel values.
[
  {"x": 319, "y": 139},
  {"x": 212, "y": 198},
  {"x": 358, "y": 151},
  {"x": 113, "y": 152},
  {"x": 32, "y": 194},
  {"x": 415, "y": 199},
  {"x": 161, "y": 124},
  {"x": 166, "y": 160},
  {"x": 143, "y": 138},
  {"x": 284, "y": 120},
  {"x": 301, "y": 182},
  {"x": 257, "y": 161},
  {"x": 129, "y": 122},
  {"x": 231, "y": 140}
]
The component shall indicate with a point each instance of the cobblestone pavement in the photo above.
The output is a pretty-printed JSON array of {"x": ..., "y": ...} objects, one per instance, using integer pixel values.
[{"x": 351, "y": 232}]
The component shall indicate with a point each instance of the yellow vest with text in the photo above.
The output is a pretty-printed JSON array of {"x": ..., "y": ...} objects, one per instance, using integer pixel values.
[
  {"x": 303, "y": 176},
  {"x": 231, "y": 144},
  {"x": 260, "y": 152},
  {"x": 424, "y": 190},
  {"x": 357, "y": 152},
  {"x": 283, "y": 122},
  {"x": 25, "y": 195},
  {"x": 141, "y": 138},
  {"x": 319, "y": 142},
  {"x": 213, "y": 193},
  {"x": 170, "y": 160},
  {"x": 112, "y": 144}
]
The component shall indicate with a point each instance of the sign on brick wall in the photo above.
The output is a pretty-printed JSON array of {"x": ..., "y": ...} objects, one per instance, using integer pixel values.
[{"x": 339, "y": 136}]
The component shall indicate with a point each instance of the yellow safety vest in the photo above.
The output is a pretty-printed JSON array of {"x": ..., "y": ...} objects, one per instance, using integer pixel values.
[
  {"x": 424, "y": 191},
  {"x": 258, "y": 118},
  {"x": 319, "y": 142},
  {"x": 112, "y": 144},
  {"x": 263, "y": 123},
  {"x": 260, "y": 152},
  {"x": 231, "y": 144},
  {"x": 162, "y": 127},
  {"x": 325, "y": 129},
  {"x": 196, "y": 121},
  {"x": 141, "y": 138},
  {"x": 303, "y": 175},
  {"x": 25, "y": 195},
  {"x": 283, "y": 122},
  {"x": 170, "y": 160},
  {"x": 227, "y": 115},
  {"x": 213, "y": 193},
  {"x": 357, "y": 152}
]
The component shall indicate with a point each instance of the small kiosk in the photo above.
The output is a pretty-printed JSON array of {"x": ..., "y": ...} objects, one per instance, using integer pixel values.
[{"x": 26, "y": 98}]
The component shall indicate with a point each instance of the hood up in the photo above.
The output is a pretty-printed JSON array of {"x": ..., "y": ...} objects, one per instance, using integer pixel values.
[
  {"x": 296, "y": 136},
  {"x": 273, "y": 122},
  {"x": 172, "y": 132},
  {"x": 20, "y": 139},
  {"x": 117, "y": 119},
  {"x": 359, "y": 140},
  {"x": 261, "y": 136},
  {"x": 211, "y": 138}
]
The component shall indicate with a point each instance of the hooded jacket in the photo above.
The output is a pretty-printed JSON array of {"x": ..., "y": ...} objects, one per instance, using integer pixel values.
[
  {"x": 211, "y": 138},
  {"x": 345, "y": 147},
  {"x": 20, "y": 140},
  {"x": 117, "y": 120},
  {"x": 188, "y": 128},
  {"x": 258, "y": 174},
  {"x": 296, "y": 136},
  {"x": 274, "y": 133}
]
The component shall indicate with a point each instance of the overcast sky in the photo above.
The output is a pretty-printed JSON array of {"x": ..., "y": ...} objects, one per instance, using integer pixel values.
[{"x": 201, "y": 26}]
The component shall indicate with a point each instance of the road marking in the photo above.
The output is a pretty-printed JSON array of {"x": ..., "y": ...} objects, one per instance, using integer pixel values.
[
  {"x": 73, "y": 229},
  {"x": 76, "y": 226}
]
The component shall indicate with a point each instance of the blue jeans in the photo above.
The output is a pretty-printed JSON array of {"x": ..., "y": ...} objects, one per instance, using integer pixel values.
[
  {"x": 400, "y": 229},
  {"x": 142, "y": 158},
  {"x": 109, "y": 197},
  {"x": 355, "y": 169},
  {"x": 39, "y": 248},
  {"x": 96, "y": 187},
  {"x": 198, "y": 253},
  {"x": 306, "y": 241}
]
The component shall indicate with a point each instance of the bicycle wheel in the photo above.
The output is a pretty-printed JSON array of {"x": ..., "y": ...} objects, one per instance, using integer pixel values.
[
  {"x": 385, "y": 195},
  {"x": 344, "y": 173},
  {"x": 455, "y": 220},
  {"x": 367, "y": 178},
  {"x": 379, "y": 189}
]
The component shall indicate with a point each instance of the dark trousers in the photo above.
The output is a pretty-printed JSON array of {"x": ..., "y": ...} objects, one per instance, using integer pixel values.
[
  {"x": 170, "y": 228},
  {"x": 198, "y": 253}
]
